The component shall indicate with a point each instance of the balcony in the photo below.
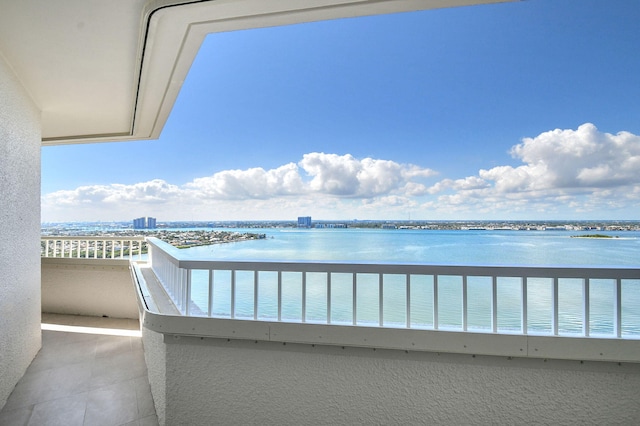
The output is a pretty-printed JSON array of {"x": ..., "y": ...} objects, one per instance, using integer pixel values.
[{"x": 243, "y": 342}]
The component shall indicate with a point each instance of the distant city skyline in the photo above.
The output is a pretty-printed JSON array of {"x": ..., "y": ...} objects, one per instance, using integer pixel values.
[{"x": 515, "y": 111}]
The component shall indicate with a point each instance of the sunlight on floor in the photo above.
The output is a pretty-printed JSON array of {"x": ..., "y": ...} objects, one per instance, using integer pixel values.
[{"x": 91, "y": 330}]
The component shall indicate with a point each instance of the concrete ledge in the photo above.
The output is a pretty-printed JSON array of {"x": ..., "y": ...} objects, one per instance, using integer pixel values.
[{"x": 82, "y": 263}]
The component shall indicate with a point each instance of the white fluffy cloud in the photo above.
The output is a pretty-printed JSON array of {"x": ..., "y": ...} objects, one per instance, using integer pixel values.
[
  {"x": 319, "y": 179},
  {"x": 575, "y": 173},
  {"x": 571, "y": 159},
  {"x": 317, "y": 173},
  {"x": 151, "y": 192},
  {"x": 583, "y": 170},
  {"x": 255, "y": 183},
  {"x": 347, "y": 176}
]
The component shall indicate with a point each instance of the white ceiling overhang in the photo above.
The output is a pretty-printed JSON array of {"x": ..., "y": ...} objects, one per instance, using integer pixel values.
[{"x": 111, "y": 70}]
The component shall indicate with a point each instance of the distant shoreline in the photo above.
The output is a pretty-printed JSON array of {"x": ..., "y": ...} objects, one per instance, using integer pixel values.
[{"x": 69, "y": 228}]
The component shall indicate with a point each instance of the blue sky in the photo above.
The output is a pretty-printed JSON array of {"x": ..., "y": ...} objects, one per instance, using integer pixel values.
[{"x": 525, "y": 110}]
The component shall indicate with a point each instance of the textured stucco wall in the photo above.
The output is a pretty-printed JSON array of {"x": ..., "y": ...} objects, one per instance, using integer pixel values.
[
  {"x": 217, "y": 381},
  {"x": 19, "y": 230},
  {"x": 88, "y": 287},
  {"x": 155, "y": 358}
]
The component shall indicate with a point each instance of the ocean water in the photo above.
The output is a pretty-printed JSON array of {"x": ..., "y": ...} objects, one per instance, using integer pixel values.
[
  {"x": 428, "y": 247},
  {"x": 433, "y": 247}
]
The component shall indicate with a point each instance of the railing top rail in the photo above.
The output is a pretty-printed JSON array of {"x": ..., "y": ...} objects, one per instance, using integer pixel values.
[
  {"x": 582, "y": 271},
  {"x": 93, "y": 238}
]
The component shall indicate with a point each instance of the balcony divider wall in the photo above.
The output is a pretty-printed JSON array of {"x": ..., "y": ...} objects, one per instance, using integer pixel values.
[{"x": 20, "y": 130}]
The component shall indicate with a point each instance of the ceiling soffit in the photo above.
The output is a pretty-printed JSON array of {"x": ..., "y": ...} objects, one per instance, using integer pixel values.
[{"x": 111, "y": 70}]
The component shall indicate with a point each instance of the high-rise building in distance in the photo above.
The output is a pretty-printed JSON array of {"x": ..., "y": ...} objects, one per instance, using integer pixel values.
[
  {"x": 144, "y": 223},
  {"x": 304, "y": 222}
]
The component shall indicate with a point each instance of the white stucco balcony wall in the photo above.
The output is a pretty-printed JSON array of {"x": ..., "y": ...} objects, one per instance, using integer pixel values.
[
  {"x": 19, "y": 230},
  {"x": 227, "y": 381},
  {"x": 91, "y": 287}
]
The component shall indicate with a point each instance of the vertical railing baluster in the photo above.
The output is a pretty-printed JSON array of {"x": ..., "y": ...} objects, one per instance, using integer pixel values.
[
  {"x": 494, "y": 304},
  {"x": 187, "y": 298},
  {"x": 233, "y": 294},
  {"x": 408, "y": 302},
  {"x": 436, "y": 315},
  {"x": 175, "y": 272},
  {"x": 210, "y": 302},
  {"x": 554, "y": 307},
  {"x": 381, "y": 299},
  {"x": 255, "y": 294},
  {"x": 279, "y": 295},
  {"x": 176, "y": 283},
  {"x": 524, "y": 328},
  {"x": 328, "y": 297},
  {"x": 354, "y": 293},
  {"x": 465, "y": 303},
  {"x": 172, "y": 278},
  {"x": 304, "y": 296},
  {"x": 175, "y": 279},
  {"x": 180, "y": 281},
  {"x": 585, "y": 307},
  {"x": 617, "y": 309}
]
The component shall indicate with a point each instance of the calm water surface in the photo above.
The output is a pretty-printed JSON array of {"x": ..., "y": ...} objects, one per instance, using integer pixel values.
[
  {"x": 430, "y": 247},
  {"x": 433, "y": 247}
]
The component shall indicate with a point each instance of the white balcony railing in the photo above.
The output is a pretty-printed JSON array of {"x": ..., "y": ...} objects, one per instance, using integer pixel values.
[
  {"x": 576, "y": 301},
  {"x": 94, "y": 247}
]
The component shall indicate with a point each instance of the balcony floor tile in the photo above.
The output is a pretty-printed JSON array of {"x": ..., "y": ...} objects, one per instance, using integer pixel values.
[{"x": 84, "y": 378}]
